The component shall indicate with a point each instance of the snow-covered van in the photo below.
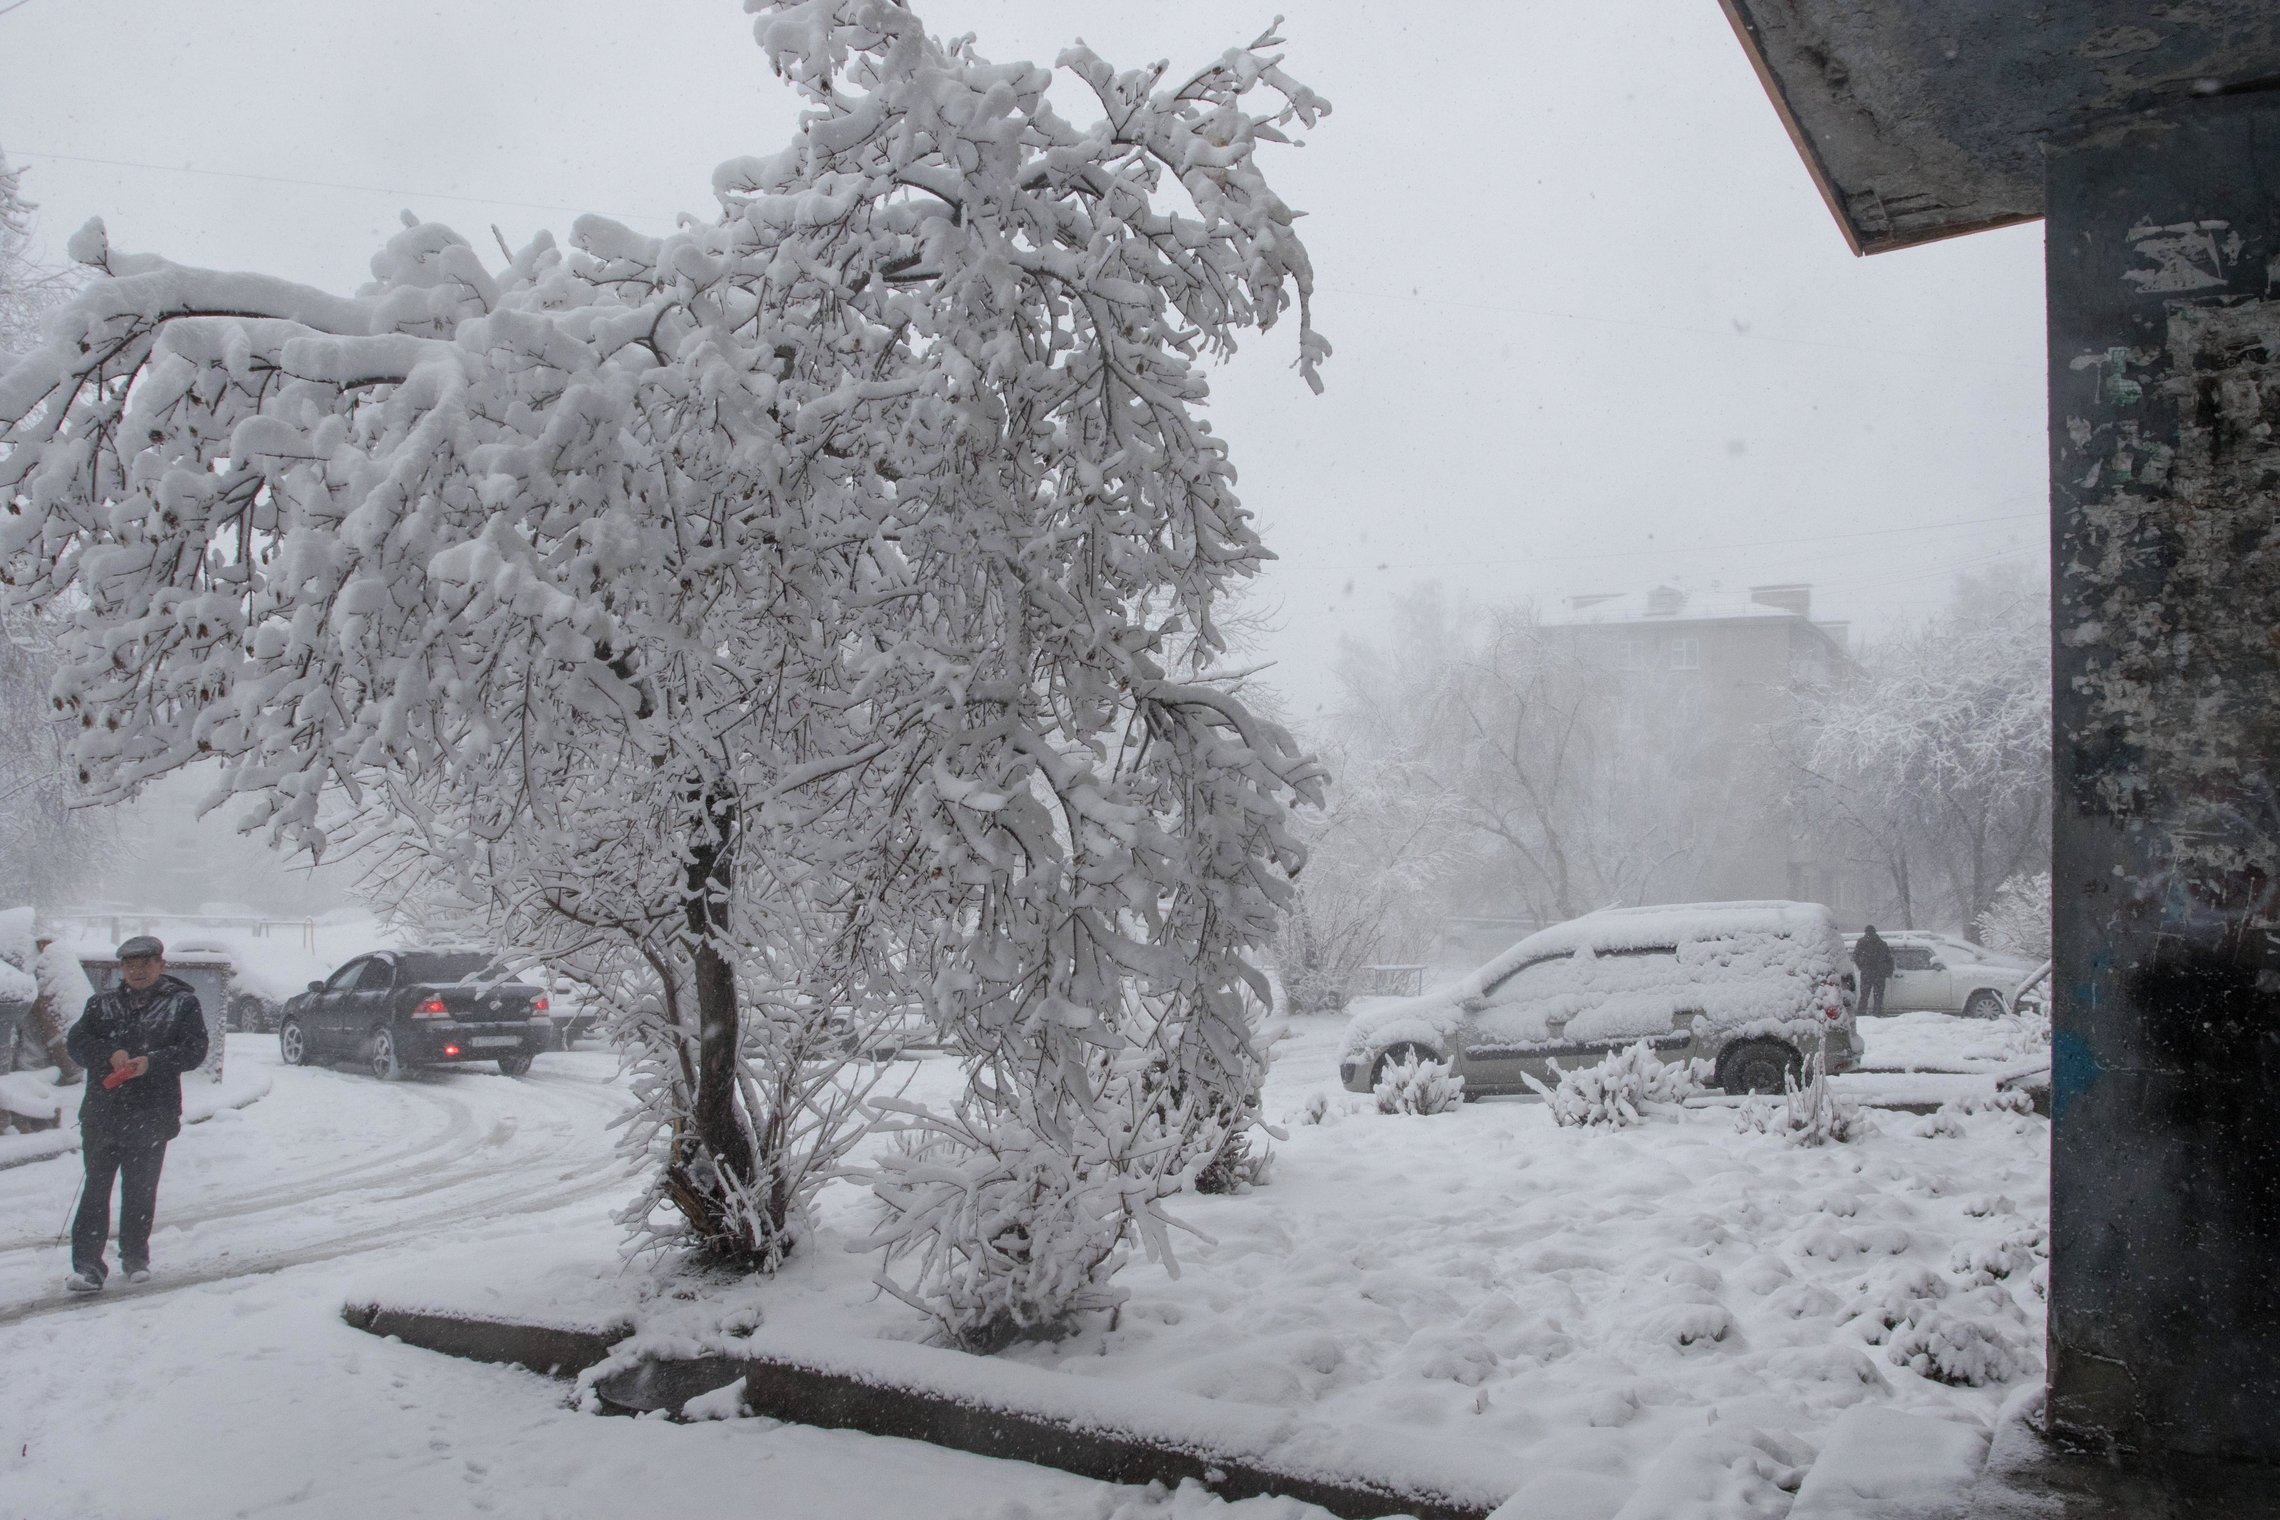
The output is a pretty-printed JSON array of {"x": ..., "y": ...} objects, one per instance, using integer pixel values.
[{"x": 1751, "y": 987}]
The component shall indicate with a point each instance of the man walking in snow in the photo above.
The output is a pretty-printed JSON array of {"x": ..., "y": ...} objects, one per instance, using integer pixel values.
[
  {"x": 1872, "y": 957},
  {"x": 136, "y": 1040}
]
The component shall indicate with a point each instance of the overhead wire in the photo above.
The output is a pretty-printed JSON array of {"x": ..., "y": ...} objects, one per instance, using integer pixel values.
[{"x": 325, "y": 184}]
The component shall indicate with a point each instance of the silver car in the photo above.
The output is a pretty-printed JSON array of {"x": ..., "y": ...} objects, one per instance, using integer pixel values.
[
  {"x": 1751, "y": 987},
  {"x": 1945, "y": 973}
]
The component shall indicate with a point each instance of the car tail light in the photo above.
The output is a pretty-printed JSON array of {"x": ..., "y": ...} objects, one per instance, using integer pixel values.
[
  {"x": 431, "y": 1009},
  {"x": 538, "y": 1007},
  {"x": 451, "y": 1050}
]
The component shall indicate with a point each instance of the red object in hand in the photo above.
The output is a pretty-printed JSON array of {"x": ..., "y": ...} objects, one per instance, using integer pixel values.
[{"x": 123, "y": 1074}]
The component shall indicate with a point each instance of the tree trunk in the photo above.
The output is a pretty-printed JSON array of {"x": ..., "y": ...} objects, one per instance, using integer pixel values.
[{"x": 717, "y": 1132}]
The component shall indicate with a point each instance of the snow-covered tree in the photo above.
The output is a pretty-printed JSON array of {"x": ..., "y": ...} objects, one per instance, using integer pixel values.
[
  {"x": 29, "y": 288},
  {"x": 808, "y": 610},
  {"x": 2018, "y": 920},
  {"x": 1936, "y": 760},
  {"x": 46, "y": 847}
]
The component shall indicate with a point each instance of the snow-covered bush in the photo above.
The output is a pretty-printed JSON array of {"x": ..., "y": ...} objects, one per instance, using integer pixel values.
[
  {"x": 1615, "y": 1092},
  {"x": 1958, "y": 1349},
  {"x": 1412, "y": 1085},
  {"x": 814, "y": 609},
  {"x": 1808, "y": 1113},
  {"x": 1004, "y": 1234},
  {"x": 1241, "y": 1164},
  {"x": 2018, "y": 920},
  {"x": 1968, "y": 1337}
]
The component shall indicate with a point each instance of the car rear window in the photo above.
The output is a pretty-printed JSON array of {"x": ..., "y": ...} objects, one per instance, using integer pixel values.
[{"x": 431, "y": 967}]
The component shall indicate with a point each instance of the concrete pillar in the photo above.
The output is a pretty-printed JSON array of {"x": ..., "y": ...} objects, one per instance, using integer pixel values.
[{"x": 2164, "y": 283}]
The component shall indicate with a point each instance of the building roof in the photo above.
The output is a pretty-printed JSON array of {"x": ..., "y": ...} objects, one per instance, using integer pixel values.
[
  {"x": 1665, "y": 604},
  {"x": 1926, "y": 119}
]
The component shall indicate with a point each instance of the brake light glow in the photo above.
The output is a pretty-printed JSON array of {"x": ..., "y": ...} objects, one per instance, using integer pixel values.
[
  {"x": 431, "y": 1009},
  {"x": 538, "y": 1005},
  {"x": 451, "y": 1050}
]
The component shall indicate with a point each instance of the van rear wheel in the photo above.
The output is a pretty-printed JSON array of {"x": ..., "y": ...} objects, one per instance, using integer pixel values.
[{"x": 1759, "y": 1066}]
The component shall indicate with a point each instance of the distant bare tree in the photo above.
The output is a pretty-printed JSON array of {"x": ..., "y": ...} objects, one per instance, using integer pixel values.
[
  {"x": 1548, "y": 785},
  {"x": 28, "y": 287},
  {"x": 48, "y": 848},
  {"x": 1377, "y": 859}
]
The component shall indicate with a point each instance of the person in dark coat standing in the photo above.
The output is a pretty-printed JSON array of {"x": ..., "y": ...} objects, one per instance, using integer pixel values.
[
  {"x": 1872, "y": 957},
  {"x": 136, "y": 1040}
]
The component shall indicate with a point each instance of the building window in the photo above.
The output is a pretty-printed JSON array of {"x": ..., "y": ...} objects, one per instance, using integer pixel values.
[
  {"x": 1686, "y": 653},
  {"x": 1631, "y": 654}
]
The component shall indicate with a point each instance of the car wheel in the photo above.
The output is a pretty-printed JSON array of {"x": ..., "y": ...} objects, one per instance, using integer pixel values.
[
  {"x": 380, "y": 1055},
  {"x": 1986, "y": 1003},
  {"x": 1758, "y": 1066},
  {"x": 292, "y": 1043},
  {"x": 514, "y": 1066}
]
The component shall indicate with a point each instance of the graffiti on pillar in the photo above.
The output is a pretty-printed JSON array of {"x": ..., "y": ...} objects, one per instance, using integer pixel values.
[{"x": 2173, "y": 463}]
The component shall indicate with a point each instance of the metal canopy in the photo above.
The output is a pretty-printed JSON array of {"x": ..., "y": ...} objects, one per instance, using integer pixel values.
[{"x": 1923, "y": 119}]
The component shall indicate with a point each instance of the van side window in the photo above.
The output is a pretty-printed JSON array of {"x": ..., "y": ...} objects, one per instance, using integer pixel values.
[{"x": 1507, "y": 983}]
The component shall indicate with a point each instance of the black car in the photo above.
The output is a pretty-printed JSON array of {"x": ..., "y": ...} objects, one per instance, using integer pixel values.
[{"x": 395, "y": 1009}]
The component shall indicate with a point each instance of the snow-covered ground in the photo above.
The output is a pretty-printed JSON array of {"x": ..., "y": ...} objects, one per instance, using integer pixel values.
[{"x": 1678, "y": 1309}]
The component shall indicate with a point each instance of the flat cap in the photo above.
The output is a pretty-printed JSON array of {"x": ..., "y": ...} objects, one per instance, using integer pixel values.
[{"x": 141, "y": 945}]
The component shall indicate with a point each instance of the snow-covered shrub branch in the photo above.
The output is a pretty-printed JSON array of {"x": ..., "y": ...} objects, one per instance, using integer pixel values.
[
  {"x": 1614, "y": 1094},
  {"x": 1809, "y": 1112},
  {"x": 1413, "y": 1085},
  {"x": 808, "y": 611}
]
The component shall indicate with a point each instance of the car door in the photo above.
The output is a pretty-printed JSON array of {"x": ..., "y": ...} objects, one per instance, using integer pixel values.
[
  {"x": 368, "y": 1000},
  {"x": 1919, "y": 980},
  {"x": 328, "y": 1009},
  {"x": 1627, "y": 995},
  {"x": 1507, "y": 1034}
]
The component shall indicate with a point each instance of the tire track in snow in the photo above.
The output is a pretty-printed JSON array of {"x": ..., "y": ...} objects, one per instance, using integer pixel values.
[
  {"x": 373, "y": 1171},
  {"x": 521, "y": 1142},
  {"x": 355, "y": 1243}
]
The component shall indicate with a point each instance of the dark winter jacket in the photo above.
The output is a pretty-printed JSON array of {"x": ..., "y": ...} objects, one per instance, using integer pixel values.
[
  {"x": 163, "y": 1022},
  {"x": 1872, "y": 957}
]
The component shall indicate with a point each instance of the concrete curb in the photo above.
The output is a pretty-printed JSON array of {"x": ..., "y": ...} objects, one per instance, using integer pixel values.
[
  {"x": 551, "y": 1350},
  {"x": 809, "y": 1395},
  {"x": 1144, "y": 1444}
]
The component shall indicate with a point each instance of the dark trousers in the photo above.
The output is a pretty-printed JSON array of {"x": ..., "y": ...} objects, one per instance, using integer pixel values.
[
  {"x": 137, "y": 1168},
  {"x": 1871, "y": 996}
]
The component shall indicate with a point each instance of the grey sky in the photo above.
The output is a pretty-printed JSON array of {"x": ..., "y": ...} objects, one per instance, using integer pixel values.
[{"x": 1593, "y": 325}]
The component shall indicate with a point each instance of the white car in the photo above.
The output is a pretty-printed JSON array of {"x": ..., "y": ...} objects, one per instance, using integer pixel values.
[
  {"x": 1751, "y": 987},
  {"x": 1945, "y": 973}
]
